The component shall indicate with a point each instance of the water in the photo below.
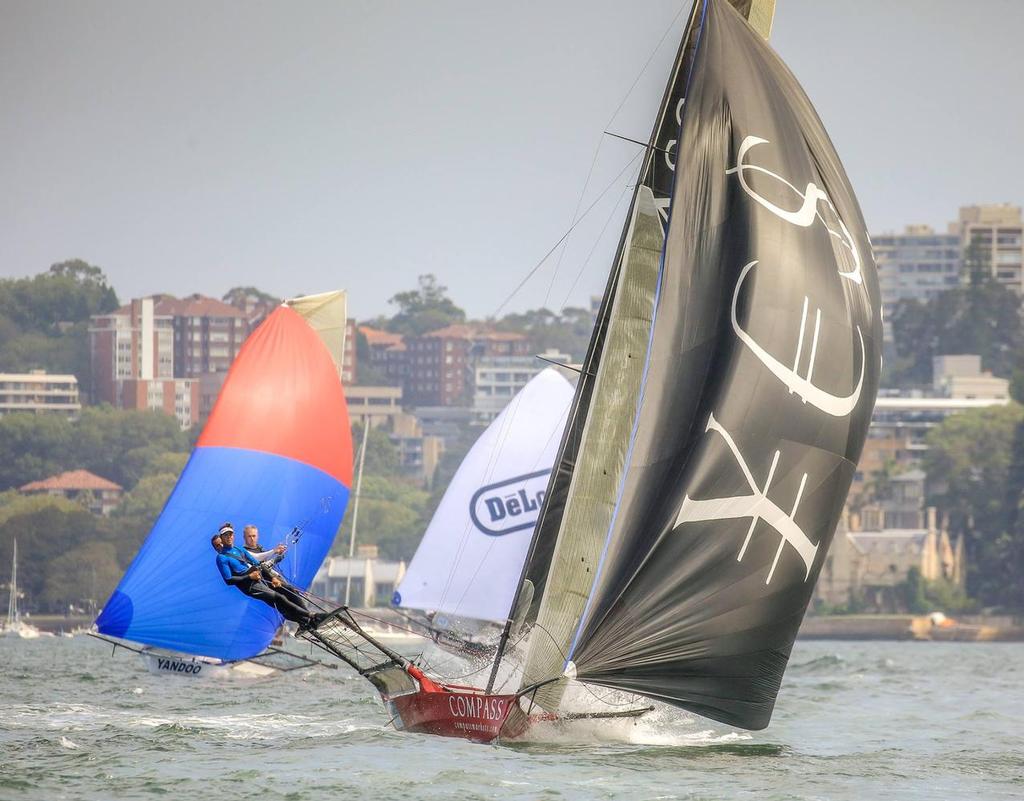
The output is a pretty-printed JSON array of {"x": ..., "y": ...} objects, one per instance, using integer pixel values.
[{"x": 855, "y": 721}]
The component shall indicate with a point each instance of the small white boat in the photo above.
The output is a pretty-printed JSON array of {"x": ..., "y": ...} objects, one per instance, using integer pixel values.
[
  {"x": 164, "y": 663},
  {"x": 14, "y": 626}
]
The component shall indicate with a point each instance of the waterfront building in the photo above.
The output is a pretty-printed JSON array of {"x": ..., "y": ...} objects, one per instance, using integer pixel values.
[
  {"x": 96, "y": 493},
  {"x": 438, "y": 365},
  {"x": 39, "y": 392},
  {"x": 992, "y": 240},
  {"x": 496, "y": 380},
  {"x": 371, "y": 580},
  {"x": 867, "y": 566},
  {"x": 132, "y": 355},
  {"x": 917, "y": 264},
  {"x": 376, "y": 405}
]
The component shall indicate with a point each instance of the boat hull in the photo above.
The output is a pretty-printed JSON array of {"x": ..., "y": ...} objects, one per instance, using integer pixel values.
[
  {"x": 163, "y": 664},
  {"x": 467, "y": 715}
]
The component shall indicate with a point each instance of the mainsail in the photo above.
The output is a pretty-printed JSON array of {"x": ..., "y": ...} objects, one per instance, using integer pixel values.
[
  {"x": 276, "y": 452},
  {"x": 470, "y": 558},
  {"x": 740, "y": 340}
]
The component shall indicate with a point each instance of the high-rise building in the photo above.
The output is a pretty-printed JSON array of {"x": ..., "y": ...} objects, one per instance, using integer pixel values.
[
  {"x": 438, "y": 364},
  {"x": 917, "y": 264},
  {"x": 132, "y": 351},
  {"x": 992, "y": 240},
  {"x": 39, "y": 392},
  {"x": 498, "y": 378}
]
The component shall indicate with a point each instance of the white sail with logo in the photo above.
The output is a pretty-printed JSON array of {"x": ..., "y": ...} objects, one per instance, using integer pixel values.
[{"x": 470, "y": 558}]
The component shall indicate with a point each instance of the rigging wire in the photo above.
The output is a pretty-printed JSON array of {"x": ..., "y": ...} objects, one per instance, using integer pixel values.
[
  {"x": 564, "y": 236},
  {"x": 597, "y": 150}
]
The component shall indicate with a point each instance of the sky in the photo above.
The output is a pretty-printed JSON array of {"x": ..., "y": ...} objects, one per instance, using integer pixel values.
[{"x": 298, "y": 147}]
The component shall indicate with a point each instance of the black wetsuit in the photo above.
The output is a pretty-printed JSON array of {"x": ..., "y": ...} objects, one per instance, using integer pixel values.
[
  {"x": 235, "y": 565},
  {"x": 287, "y": 589}
]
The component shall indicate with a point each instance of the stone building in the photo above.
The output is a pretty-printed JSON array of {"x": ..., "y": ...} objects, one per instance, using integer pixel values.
[{"x": 869, "y": 564}]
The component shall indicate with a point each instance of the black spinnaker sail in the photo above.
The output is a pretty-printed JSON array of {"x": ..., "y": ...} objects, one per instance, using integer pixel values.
[{"x": 739, "y": 364}]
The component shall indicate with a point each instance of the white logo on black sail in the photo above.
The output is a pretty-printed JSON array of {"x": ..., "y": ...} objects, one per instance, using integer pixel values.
[{"x": 756, "y": 505}]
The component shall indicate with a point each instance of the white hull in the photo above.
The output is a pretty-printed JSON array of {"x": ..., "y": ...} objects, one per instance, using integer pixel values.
[
  {"x": 23, "y": 630},
  {"x": 200, "y": 667}
]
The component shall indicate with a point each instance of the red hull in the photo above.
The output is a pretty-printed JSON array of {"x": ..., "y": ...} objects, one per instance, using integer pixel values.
[
  {"x": 456, "y": 712},
  {"x": 471, "y": 716}
]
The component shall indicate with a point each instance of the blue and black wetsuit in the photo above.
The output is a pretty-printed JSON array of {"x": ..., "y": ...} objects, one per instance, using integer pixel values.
[
  {"x": 270, "y": 565},
  {"x": 235, "y": 564}
]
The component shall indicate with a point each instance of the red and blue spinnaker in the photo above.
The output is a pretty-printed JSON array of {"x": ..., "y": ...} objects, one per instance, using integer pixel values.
[{"x": 276, "y": 453}]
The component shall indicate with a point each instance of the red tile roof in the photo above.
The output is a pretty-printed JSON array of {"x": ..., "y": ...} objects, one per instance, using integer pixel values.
[
  {"x": 374, "y": 336},
  {"x": 193, "y": 306},
  {"x": 71, "y": 480}
]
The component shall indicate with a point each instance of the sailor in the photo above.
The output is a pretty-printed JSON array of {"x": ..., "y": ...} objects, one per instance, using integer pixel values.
[
  {"x": 240, "y": 569},
  {"x": 268, "y": 560}
]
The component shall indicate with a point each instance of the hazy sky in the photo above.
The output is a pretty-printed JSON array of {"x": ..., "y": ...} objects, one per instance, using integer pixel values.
[{"x": 195, "y": 146}]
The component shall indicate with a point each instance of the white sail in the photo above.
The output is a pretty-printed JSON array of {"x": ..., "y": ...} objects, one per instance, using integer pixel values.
[{"x": 470, "y": 558}]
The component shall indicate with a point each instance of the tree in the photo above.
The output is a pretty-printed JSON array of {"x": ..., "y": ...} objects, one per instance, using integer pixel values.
[
  {"x": 968, "y": 464},
  {"x": 83, "y": 576},
  {"x": 32, "y": 447},
  {"x": 425, "y": 309},
  {"x": 125, "y": 445},
  {"x": 44, "y": 533},
  {"x": 391, "y": 516},
  {"x": 241, "y": 296},
  {"x": 1008, "y": 549},
  {"x": 983, "y": 318},
  {"x": 44, "y": 319},
  {"x": 381, "y": 454},
  {"x": 568, "y": 332}
]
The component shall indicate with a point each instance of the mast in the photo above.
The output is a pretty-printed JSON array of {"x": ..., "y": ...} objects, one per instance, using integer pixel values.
[
  {"x": 656, "y": 176},
  {"x": 12, "y": 601},
  {"x": 355, "y": 510}
]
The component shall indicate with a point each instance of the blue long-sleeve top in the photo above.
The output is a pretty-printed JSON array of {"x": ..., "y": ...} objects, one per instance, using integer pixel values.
[{"x": 235, "y": 564}]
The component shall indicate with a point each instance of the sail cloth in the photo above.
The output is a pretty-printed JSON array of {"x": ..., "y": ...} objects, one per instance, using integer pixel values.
[
  {"x": 470, "y": 558},
  {"x": 276, "y": 453},
  {"x": 760, "y": 380}
]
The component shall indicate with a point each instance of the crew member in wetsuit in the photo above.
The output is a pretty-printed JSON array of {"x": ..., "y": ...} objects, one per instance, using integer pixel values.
[
  {"x": 240, "y": 569},
  {"x": 269, "y": 559}
]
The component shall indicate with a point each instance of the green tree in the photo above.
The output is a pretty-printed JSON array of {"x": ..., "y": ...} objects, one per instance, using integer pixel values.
[
  {"x": 44, "y": 533},
  {"x": 238, "y": 296},
  {"x": 983, "y": 318},
  {"x": 381, "y": 453},
  {"x": 391, "y": 516},
  {"x": 568, "y": 332},
  {"x": 83, "y": 576},
  {"x": 425, "y": 309},
  {"x": 125, "y": 445},
  {"x": 44, "y": 319},
  {"x": 968, "y": 464},
  {"x": 32, "y": 447}
]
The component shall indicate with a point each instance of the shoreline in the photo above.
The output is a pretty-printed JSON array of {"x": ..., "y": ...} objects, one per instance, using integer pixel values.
[{"x": 969, "y": 628}]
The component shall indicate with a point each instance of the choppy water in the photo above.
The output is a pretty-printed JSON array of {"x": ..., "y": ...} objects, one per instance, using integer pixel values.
[{"x": 855, "y": 721}]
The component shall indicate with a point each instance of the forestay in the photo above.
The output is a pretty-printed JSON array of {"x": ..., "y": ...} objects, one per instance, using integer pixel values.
[{"x": 472, "y": 553}]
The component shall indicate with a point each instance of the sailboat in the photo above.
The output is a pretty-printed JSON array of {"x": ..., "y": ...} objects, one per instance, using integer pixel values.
[
  {"x": 465, "y": 572},
  {"x": 721, "y": 410},
  {"x": 276, "y": 452},
  {"x": 14, "y": 626}
]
